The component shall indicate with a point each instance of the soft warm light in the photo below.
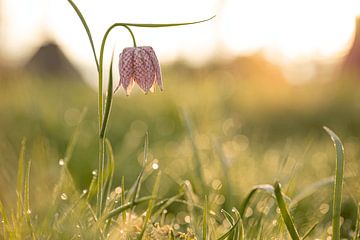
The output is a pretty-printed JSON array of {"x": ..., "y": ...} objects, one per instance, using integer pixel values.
[
  {"x": 285, "y": 29},
  {"x": 293, "y": 29}
]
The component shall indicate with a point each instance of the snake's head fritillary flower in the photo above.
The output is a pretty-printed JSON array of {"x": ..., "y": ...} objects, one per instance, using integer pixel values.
[{"x": 139, "y": 65}]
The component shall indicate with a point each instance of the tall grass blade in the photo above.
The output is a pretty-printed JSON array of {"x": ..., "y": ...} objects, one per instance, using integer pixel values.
[
  {"x": 166, "y": 203},
  {"x": 285, "y": 213},
  {"x": 123, "y": 197},
  {"x": 27, "y": 200},
  {"x": 204, "y": 230},
  {"x": 82, "y": 19},
  {"x": 7, "y": 229},
  {"x": 233, "y": 223},
  {"x": 264, "y": 187},
  {"x": 151, "y": 204},
  {"x": 20, "y": 181},
  {"x": 111, "y": 166},
  {"x": 310, "y": 230},
  {"x": 241, "y": 230},
  {"x": 339, "y": 175},
  {"x": 108, "y": 102},
  {"x": 356, "y": 232}
]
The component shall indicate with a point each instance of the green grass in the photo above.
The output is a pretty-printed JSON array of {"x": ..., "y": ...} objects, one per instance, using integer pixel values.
[{"x": 230, "y": 145}]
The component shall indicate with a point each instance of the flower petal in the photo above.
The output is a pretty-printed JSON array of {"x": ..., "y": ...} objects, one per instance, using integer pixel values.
[
  {"x": 156, "y": 65},
  {"x": 126, "y": 69},
  {"x": 144, "y": 72}
]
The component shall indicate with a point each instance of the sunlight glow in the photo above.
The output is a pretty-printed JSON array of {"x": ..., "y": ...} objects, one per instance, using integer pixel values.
[{"x": 284, "y": 29}]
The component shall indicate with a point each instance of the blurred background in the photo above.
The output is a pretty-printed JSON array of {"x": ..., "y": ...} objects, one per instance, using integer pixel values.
[{"x": 251, "y": 89}]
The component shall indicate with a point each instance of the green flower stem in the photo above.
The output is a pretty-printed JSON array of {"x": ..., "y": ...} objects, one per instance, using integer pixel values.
[{"x": 104, "y": 116}]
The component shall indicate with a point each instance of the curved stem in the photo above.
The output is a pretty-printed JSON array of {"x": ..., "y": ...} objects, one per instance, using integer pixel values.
[{"x": 100, "y": 100}]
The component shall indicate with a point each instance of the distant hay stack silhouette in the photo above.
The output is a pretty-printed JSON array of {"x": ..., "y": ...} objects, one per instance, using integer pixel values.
[
  {"x": 49, "y": 62},
  {"x": 351, "y": 64}
]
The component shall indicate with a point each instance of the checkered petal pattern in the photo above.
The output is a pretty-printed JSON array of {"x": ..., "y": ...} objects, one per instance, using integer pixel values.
[{"x": 139, "y": 65}]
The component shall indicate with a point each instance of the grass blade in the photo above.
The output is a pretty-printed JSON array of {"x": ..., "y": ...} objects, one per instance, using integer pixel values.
[
  {"x": 108, "y": 101},
  {"x": 20, "y": 181},
  {"x": 123, "y": 197},
  {"x": 285, "y": 213},
  {"x": 87, "y": 31},
  {"x": 151, "y": 204},
  {"x": 339, "y": 175},
  {"x": 356, "y": 232},
  {"x": 234, "y": 225},
  {"x": 310, "y": 231},
  {"x": 264, "y": 187},
  {"x": 27, "y": 200},
  {"x": 156, "y": 25},
  {"x": 205, "y": 219},
  {"x": 111, "y": 166}
]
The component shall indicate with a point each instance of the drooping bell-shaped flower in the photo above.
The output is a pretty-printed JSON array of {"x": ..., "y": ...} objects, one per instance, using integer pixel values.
[{"x": 139, "y": 65}]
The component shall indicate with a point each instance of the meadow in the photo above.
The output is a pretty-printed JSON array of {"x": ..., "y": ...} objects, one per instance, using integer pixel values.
[{"x": 216, "y": 132}]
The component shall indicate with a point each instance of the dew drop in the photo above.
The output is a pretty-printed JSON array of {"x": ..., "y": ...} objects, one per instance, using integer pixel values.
[
  {"x": 187, "y": 219},
  {"x": 28, "y": 211},
  {"x": 61, "y": 162},
  {"x": 155, "y": 166},
  {"x": 118, "y": 190},
  {"x": 84, "y": 191},
  {"x": 94, "y": 172},
  {"x": 63, "y": 196}
]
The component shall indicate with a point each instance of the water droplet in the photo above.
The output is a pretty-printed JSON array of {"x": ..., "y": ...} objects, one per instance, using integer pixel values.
[
  {"x": 155, "y": 166},
  {"x": 61, "y": 162},
  {"x": 176, "y": 226},
  {"x": 77, "y": 226},
  {"x": 116, "y": 201},
  {"x": 63, "y": 196},
  {"x": 118, "y": 190},
  {"x": 324, "y": 208},
  {"x": 165, "y": 211},
  {"x": 84, "y": 191},
  {"x": 94, "y": 172},
  {"x": 249, "y": 212},
  {"x": 28, "y": 211},
  {"x": 187, "y": 219}
]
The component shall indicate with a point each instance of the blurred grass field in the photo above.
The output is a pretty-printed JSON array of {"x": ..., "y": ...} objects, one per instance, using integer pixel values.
[{"x": 248, "y": 126}]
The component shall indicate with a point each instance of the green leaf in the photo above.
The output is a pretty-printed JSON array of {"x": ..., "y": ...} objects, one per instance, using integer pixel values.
[
  {"x": 310, "y": 230},
  {"x": 108, "y": 100},
  {"x": 20, "y": 181},
  {"x": 110, "y": 167},
  {"x": 285, "y": 213},
  {"x": 204, "y": 232},
  {"x": 151, "y": 204},
  {"x": 339, "y": 177},
  {"x": 264, "y": 187}
]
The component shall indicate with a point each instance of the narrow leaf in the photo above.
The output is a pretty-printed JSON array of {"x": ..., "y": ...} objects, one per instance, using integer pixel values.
[
  {"x": 285, "y": 213},
  {"x": 339, "y": 175}
]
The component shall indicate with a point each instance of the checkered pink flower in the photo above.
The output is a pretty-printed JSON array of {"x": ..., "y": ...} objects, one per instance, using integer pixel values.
[{"x": 139, "y": 65}]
